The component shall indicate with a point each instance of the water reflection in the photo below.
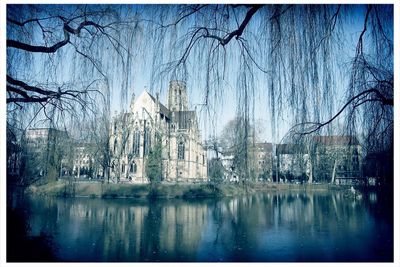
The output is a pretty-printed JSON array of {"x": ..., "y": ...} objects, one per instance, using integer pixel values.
[{"x": 295, "y": 226}]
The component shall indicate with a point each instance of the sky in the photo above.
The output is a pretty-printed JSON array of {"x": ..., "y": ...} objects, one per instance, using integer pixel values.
[{"x": 138, "y": 76}]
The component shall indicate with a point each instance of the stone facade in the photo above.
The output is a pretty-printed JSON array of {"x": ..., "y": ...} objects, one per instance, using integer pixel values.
[{"x": 134, "y": 133}]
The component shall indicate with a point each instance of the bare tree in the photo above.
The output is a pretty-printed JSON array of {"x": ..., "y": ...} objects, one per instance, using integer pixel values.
[
  {"x": 238, "y": 139},
  {"x": 58, "y": 66}
]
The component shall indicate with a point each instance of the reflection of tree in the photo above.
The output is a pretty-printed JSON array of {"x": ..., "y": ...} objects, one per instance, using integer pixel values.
[
  {"x": 238, "y": 229},
  {"x": 250, "y": 221},
  {"x": 151, "y": 233},
  {"x": 182, "y": 224},
  {"x": 239, "y": 221},
  {"x": 102, "y": 230},
  {"x": 22, "y": 246}
]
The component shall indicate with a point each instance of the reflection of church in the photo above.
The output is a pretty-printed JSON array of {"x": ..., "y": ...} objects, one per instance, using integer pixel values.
[{"x": 133, "y": 134}]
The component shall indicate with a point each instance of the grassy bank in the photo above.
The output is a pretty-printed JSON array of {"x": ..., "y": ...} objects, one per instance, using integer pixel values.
[{"x": 186, "y": 191}]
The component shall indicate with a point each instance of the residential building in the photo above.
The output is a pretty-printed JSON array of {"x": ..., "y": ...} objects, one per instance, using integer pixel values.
[
  {"x": 263, "y": 161},
  {"x": 44, "y": 148},
  {"x": 292, "y": 162},
  {"x": 85, "y": 161},
  {"x": 227, "y": 160},
  {"x": 337, "y": 159}
]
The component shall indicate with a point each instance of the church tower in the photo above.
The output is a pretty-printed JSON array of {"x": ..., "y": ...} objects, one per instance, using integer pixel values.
[{"x": 177, "y": 96}]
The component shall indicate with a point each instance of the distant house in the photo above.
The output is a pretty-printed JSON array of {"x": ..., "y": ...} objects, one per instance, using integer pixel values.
[
  {"x": 330, "y": 159},
  {"x": 44, "y": 148},
  {"x": 337, "y": 159},
  {"x": 85, "y": 161},
  {"x": 292, "y": 162},
  {"x": 227, "y": 160},
  {"x": 263, "y": 161},
  {"x": 260, "y": 163}
]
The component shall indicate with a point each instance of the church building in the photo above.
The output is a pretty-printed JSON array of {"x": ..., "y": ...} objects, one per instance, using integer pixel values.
[{"x": 134, "y": 134}]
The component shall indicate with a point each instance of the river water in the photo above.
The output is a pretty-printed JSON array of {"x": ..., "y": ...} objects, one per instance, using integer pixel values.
[{"x": 285, "y": 226}]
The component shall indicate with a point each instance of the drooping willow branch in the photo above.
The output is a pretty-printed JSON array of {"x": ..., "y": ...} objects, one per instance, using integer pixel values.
[
  {"x": 357, "y": 100},
  {"x": 86, "y": 26}
]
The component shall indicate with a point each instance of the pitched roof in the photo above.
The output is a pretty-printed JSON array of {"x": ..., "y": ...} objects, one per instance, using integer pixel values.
[
  {"x": 265, "y": 147},
  {"x": 163, "y": 109},
  {"x": 182, "y": 118},
  {"x": 344, "y": 140},
  {"x": 289, "y": 149}
]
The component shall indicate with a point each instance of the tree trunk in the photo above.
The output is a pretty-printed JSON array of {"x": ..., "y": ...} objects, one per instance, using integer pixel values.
[
  {"x": 334, "y": 171},
  {"x": 310, "y": 177}
]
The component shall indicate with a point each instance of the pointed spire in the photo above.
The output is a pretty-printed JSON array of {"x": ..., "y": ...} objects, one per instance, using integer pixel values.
[{"x": 132, "y": 101}]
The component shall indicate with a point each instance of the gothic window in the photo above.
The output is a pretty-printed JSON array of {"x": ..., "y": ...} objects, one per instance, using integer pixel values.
[
  {"x": 158, "y": 139},
  {"x": 181, "y": 150},
  {"x": 115, "y": 145},
  {"x": 123, "y": 168},
  {"x": 126, "y": 147},
  {"x": 133, "y": 167},
  {"x": 147, "y": 141},
  {"x": 136, "y": 143}
]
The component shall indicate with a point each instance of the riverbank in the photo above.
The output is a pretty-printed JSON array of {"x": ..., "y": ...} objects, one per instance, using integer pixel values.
[{"x": 185, "y": 191}]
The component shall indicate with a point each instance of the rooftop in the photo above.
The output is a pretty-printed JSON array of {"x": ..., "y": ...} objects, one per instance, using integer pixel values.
[{"x": 344, "y": 140}]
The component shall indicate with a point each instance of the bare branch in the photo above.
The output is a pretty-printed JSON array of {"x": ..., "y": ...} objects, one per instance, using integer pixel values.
[
  {"x": 29, "y": 87},
  {"x": 239, "y": 31},
  {"x": 39, "y": 49},
  {"x": 194, "y": 10},
  {"x": 29, "y": 20},
  {"x": 52, "y": 49}
]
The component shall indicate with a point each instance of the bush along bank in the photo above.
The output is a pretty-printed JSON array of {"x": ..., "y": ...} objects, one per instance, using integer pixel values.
[
  {"x": 161, "y": 190},
  {"x": 110, "y": 190}
]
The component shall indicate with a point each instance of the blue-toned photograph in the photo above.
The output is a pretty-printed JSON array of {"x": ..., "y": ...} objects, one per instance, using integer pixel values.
[{"x": 206, "y": 133}]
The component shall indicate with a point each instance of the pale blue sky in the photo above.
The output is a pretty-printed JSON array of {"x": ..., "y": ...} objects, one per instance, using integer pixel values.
[{"x": 140, "y": 77}]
